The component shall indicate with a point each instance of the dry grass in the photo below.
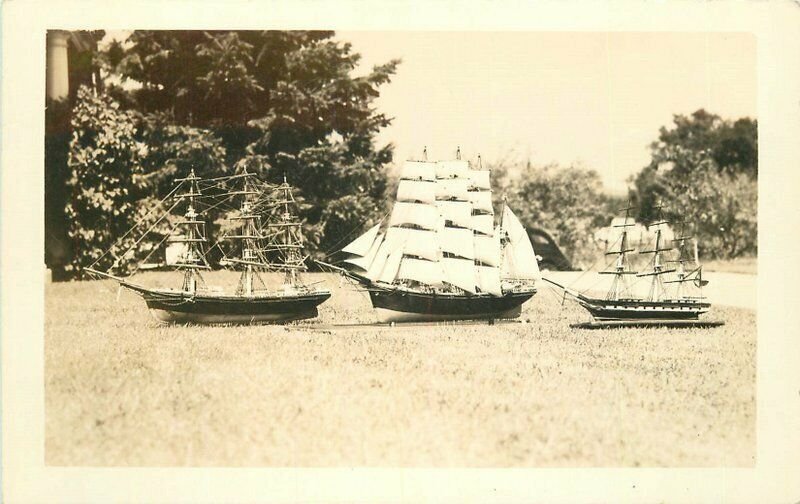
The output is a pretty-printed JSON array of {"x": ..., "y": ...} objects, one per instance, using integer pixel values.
[{"x": 122, "y": 390}]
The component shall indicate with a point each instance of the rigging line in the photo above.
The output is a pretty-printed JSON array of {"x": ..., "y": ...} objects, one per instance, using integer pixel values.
[
  {"x": 144, "y": 235},
  {"x": 137, "y": 241},
  {"x": 160, "y": 202},
  {"x": 359, "y": 226},
  {"x": 166, "y": 237}
]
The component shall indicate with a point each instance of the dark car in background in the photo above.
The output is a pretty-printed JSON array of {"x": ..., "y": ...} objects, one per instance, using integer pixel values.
[{"x": 552, "y": 258}]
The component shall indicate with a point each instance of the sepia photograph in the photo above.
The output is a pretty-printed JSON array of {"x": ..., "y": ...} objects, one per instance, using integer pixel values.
[
  {"x": 460, "y": 253},
  {"x": 314, "y": 248}
]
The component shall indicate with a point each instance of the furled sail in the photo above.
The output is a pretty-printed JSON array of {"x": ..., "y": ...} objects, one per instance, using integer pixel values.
[
  {"x": 519, "y": 259},
  {"x": 361, "y": 245}
]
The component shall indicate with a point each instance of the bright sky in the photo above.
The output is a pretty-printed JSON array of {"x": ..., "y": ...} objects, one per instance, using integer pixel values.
[{"x": 594, "y": 98}]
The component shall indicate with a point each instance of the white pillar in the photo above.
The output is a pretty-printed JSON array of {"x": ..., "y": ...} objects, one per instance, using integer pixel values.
[{"x": 57, "y": 64}]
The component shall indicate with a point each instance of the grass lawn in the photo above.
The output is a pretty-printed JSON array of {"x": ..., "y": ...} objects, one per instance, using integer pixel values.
[{"x": 122, "y": 390}]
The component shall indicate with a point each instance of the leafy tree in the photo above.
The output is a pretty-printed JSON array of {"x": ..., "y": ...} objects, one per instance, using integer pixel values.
[
  {"x": 720, "y": 207},
  {"x": 103, "y": 177},
  {"x": 282, "y": 102},
  {"x": 567, "y": 201},
  {"x": 705, "y": 169},
  {"x": 733, "y": 146}
]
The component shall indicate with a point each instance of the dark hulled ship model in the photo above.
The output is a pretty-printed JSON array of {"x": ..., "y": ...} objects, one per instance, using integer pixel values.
[
  {"x": 674, "y": 292},
  {"x": 441, "y": 256},
  {"x": 267, "y": 237}
]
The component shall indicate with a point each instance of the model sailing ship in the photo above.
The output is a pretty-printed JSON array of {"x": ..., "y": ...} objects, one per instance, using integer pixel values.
[
  {"x": 276, "y": 245},
  {"x": 659, "y": 305},
  {"x": 441, "y": 256}
]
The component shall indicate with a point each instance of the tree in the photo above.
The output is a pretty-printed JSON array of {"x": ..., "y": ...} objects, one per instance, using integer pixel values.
[
  {"x": 733, "y": 146},
  {"x": 705, "y": 171},
  {"x": 567, "y": 201},
  {"x": 282, "y": 102},
  {"x": 103, "y": 178}
]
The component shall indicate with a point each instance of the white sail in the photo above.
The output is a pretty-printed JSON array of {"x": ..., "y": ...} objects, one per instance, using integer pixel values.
[
  {"x": 459, "y": 213},
  {"x": 417, "y": 191},
  {"x": 488, "y": 279},
  {"x": 418, "y": 214},
  {"x": 459, "y": 272},
  {"x": 457, "y": 241},
  {"x": 416, "y": 242},
  {"x": 487, "y": 249},
  {"x": 482, "y": 224},
  {"x": 519, "y": 259},
  {"x": 452, "y": 169},
  {"x": 418, "y": 170},
  {"x": 454, "y": 188},
  {"x": 481, "y": 200},
  {"x": 366, "y": 261},
  {"x": 376, "y": 267},
  {"x": 389, "y": 272},
  {"x": 361, "y": 245},
  {"x": 426, "y": 272},
  {"x": 479, "y": 179}
]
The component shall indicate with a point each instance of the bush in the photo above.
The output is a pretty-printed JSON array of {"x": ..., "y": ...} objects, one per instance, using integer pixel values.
[{"x": 102, "y": 166}]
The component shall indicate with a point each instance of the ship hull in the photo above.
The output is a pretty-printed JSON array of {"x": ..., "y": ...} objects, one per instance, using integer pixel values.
[
  {"x": 408, "y": 306},
  {"x": 603, "y": 309},
  {"x": 180, "y": 307}
]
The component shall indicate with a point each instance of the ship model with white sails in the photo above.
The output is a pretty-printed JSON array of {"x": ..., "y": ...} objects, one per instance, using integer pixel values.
[
  {"x": 267, "y": 238},
  {"x": 674, "y": 286},
  {"x": 441, "y": 256}
]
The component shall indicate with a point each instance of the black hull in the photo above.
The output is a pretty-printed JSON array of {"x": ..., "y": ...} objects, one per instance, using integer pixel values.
[
  {"x": 180, "y": 307},
  {"x": 603, "y": 309},
  {"x": 398, "y": 305}
]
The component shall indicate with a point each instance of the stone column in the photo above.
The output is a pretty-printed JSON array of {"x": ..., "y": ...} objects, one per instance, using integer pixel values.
[{"x": 57, "y": 65}]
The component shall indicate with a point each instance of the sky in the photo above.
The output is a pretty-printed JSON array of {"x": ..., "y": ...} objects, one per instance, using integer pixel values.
[{"x": 593, "y": 98}]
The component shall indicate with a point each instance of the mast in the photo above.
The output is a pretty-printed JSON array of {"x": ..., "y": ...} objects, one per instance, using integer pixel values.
[
  {"x": 249, "y": 234},
  {"x": 286, "y": 237},
  {"x": 682, "y": 275},
  {"x": 193, "y": 236},
  {"x": 656, "y": 285},
  {"x": 619, "y": 285}
]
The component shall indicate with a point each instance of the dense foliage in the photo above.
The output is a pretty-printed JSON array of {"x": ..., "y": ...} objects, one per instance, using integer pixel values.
[
  {"x": 568, "y": 202},
  {"x": 283, "y": 104},
  {"x": 705, "y": 171},
  {"x": 104, "y": 177}
]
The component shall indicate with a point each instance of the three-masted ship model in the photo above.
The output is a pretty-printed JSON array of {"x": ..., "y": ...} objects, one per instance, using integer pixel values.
[
  {"x": 440, "y": 256},
  {"x": 674, "y": 292},
  {"x": 267, "y": 238}
]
